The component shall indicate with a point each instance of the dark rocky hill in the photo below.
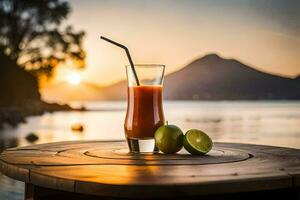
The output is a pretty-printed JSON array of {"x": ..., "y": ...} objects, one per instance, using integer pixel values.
[
  {"x": 19, "y": 94},
  {"x": 16, "y": 85}
]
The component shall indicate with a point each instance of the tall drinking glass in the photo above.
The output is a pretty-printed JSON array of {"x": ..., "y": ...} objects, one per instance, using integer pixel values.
[{"x": 144, "y": 109}]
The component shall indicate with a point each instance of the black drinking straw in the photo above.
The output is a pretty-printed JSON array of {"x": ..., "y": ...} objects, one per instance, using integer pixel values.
[{"x": 128, "y": 55}]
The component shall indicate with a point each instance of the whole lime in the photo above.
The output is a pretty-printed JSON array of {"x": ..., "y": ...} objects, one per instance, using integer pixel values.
[
  {"x": 197, "y": 142},
  {"x": 169, "y": 139}
]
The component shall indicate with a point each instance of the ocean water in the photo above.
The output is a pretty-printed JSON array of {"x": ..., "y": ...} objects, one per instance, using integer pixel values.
[{"x": 257, "y": 122}]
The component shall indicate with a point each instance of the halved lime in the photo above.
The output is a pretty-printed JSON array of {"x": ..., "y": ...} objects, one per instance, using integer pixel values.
[{"x": 197, "y": 142}]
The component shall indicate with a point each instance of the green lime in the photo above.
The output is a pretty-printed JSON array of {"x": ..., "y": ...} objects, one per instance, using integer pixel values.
[
  {"x": 168, "y": 139},
  {"x": 197, "y": 142}
]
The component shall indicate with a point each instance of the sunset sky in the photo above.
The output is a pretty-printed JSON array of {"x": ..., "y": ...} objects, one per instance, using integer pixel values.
[{"x": 262, "y": 33}]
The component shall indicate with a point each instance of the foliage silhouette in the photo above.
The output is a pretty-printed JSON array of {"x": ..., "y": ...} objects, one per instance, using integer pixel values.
[{"x": 32, "y": 36}]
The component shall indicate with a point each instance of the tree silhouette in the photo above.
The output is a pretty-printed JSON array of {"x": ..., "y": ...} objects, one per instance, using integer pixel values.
[{"x": 31, "y": 35}]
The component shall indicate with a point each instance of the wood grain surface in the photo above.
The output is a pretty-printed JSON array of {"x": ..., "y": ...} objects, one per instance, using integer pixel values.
[{"x": 107, "y": 169}]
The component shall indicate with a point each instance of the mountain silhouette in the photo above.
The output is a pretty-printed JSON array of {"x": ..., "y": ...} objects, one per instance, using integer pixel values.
[{"x": 213, "y": 78}]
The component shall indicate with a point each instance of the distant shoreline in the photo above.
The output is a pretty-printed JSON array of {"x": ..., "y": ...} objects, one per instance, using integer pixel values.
[
  {"x": 13, "y": 115},
  {"x": 110, "y": 106}
]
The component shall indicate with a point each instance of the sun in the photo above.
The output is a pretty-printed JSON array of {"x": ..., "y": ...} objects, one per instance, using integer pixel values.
[{"x": 74, "y": 78}]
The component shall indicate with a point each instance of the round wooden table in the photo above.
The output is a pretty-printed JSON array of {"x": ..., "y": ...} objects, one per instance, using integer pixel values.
[{"x": 89, "y": 169}]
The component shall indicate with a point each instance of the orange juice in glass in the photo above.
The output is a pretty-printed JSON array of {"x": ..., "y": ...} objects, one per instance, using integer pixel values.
[{"x": 144, "y": 108}]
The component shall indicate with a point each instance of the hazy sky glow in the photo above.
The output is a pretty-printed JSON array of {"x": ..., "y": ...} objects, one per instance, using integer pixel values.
[{"x": 264, "y": 34}]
